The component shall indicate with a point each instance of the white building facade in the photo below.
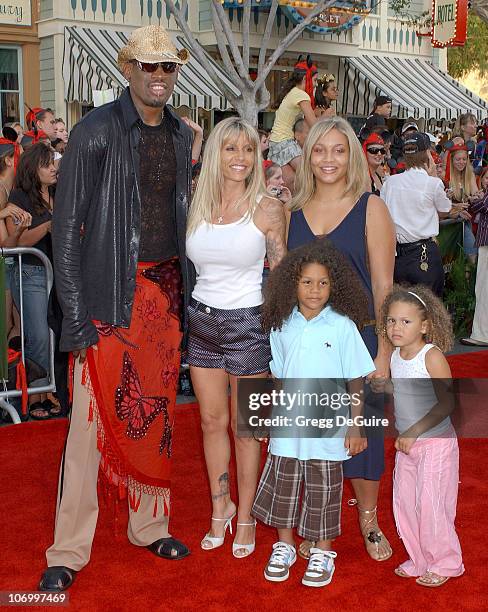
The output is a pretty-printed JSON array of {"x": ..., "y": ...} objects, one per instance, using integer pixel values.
[{"x": 79, "y": 40}]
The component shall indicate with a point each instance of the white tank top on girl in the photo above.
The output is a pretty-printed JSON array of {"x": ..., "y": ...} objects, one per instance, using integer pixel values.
[
  {"x": 413, "y": 392},
  {"x": 229, "y": 262}
]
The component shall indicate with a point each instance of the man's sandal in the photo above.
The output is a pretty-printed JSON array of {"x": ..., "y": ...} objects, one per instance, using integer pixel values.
[
  {"x": 304, "y": 549},
  {"x": 55, "y": 410},
  {"x": 372, "y": 535},
  {"x": 56, "y": 579},
  {"x": 429, "y": 579},
  {"x": 169, "y": 548},
  {"x": 38, "y": 412}
]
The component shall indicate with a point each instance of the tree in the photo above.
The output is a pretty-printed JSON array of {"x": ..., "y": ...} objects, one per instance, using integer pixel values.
[
  {"x": 253, "y": 95},
  {"x": 479, "y": 8},
  {"x": 474, "y": 54}
]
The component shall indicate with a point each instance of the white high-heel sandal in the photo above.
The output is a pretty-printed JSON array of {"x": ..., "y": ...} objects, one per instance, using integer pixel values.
[
  {"x": 249, "y": 548},
  {"x": 214, "y": 540}
]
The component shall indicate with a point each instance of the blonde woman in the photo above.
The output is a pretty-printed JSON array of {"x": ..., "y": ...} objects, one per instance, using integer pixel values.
[
  {"x": 466, "y": 127},
  {"x": 333, "y": 200},
  {"x": 461, "y": 186},
  {"x": 231, "y": 226}
]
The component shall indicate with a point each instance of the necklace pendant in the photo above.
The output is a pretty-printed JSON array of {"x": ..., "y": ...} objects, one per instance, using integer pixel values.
[{"x": 220, "y": 219}]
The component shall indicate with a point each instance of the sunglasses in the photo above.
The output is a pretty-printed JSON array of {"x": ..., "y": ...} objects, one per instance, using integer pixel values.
[
  {"x": 168, "y": 67},
  {"x": 375, "y": 150}
]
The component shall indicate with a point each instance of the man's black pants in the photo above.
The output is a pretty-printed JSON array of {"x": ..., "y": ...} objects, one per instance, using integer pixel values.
[{"x": 408, "y": 265}]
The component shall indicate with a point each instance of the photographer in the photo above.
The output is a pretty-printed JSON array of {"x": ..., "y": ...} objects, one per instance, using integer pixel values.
[{"x": 275, "y": 185}]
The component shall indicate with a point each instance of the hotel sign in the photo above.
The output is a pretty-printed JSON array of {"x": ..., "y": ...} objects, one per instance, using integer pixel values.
[
  {"x": 15, "y": 12},
  {"x": 449, "y": 23}
]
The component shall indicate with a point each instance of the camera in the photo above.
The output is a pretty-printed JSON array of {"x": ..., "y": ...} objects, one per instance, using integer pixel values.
[{"x": 276, "y": 191}]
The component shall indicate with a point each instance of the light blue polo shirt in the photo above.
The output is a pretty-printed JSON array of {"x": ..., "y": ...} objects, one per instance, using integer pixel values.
[{"x": 327, "y": 346}]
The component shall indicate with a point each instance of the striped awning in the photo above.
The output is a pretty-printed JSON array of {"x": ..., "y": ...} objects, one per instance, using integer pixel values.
[
  {"x": 90, "y": 64},
  {"x": 418, "y": 89}
]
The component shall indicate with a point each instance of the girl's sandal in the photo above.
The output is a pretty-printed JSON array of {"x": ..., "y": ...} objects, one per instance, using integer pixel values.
[
  {"x": 399, "y": 572},
  {"x": 304, "y": 549},
  {"x": 429, "y": 579},
  {"x": 372, "y": 535}
]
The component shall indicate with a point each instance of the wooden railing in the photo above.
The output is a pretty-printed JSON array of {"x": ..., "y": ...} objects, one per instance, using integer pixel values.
[
  {"x": 114, "y": 12},
  {"x": 391, "y": 36}
]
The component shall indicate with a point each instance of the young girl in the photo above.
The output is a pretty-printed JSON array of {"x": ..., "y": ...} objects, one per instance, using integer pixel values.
[
  {"x": 295, "y": 99},
  {"x": 427, "y": 461},
  {"x": 313, "y": 302},
  {"x": 326, "y": 92}
]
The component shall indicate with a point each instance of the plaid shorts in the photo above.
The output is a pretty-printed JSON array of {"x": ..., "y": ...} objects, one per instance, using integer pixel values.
[
  {"x": 231, "y": 340},
  {"x": 278, "y": 496},
  {"x": 283, "y": 152}
]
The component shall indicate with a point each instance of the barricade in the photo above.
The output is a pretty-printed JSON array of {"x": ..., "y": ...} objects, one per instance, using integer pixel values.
[{"x": 6, "y": 394}]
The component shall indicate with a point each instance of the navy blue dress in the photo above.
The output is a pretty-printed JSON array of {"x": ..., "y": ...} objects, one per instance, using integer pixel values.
[{"x": 349, "y": 237}]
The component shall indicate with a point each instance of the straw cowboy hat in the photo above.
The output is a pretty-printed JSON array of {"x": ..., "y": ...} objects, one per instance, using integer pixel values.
[{"x": 151, "y": 44}]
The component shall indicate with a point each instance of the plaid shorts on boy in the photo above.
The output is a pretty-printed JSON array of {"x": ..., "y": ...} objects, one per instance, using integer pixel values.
[{"x": 279, "y": 491}]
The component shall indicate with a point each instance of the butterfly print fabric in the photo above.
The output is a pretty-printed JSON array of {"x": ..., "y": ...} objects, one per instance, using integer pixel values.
[{"x": 133, "y": 376}]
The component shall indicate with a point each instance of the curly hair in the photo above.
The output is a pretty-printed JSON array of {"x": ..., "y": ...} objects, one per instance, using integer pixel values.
[
  {"x": 434, "y": 312},
  {"x": 347, "y": 295}
]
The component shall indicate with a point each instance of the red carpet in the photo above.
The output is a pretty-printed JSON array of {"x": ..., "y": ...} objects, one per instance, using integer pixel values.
[
  {"x": 469, "y": 365},
  {"x": 123, "y": 577}
]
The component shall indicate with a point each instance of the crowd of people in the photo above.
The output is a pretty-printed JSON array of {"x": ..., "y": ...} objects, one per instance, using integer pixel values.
[{"x": 158, "y": 250}]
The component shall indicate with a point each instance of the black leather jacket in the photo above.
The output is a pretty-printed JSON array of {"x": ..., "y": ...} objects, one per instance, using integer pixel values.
[{"x": 98, "y": 189}]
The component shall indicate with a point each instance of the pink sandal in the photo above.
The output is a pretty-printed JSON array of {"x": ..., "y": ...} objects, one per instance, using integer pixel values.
[{"x": 399, "y": 572}]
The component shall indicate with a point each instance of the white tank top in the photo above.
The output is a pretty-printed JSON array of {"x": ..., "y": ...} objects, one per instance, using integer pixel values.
[
  {"x": 229, "y": 263},
  {"x": 413, "y": 392}
]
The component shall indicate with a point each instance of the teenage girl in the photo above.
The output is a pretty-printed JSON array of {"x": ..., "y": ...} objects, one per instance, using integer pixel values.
[
  {"x": 427, "y": 462},
  {"x": 313, "y": 302},
  {"x": 461, "y": 183}
]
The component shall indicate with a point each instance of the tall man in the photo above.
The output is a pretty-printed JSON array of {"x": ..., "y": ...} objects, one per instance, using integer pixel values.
[{"x": 119, "y": 256}]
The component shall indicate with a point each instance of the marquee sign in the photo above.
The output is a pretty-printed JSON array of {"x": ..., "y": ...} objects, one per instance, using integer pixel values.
[
  {"x": 449, "y": 23},
  {"x": 15, "y": 12},
  {"x": 342, "y": 15}
]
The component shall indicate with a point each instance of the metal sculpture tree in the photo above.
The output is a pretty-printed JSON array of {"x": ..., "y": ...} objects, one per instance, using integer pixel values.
[{"x": 253, "y": 95}]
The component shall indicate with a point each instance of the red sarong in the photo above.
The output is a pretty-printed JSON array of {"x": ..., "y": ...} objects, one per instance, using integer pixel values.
[{"x": 132, "y": 376}]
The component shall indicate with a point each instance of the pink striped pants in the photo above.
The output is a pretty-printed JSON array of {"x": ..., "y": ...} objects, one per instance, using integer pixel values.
[{"x": 425, "y": 488}]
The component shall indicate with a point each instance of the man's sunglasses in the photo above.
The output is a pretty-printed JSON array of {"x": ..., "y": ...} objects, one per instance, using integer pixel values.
[
  {"x": 168, "y": 67},
  {"x": 375, "y": 150}
]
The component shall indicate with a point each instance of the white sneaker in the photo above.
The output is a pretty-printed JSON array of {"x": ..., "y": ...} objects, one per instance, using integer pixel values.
[
  {"x": 282, "y": 558},
  {"x": 320, "y": 568}
]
